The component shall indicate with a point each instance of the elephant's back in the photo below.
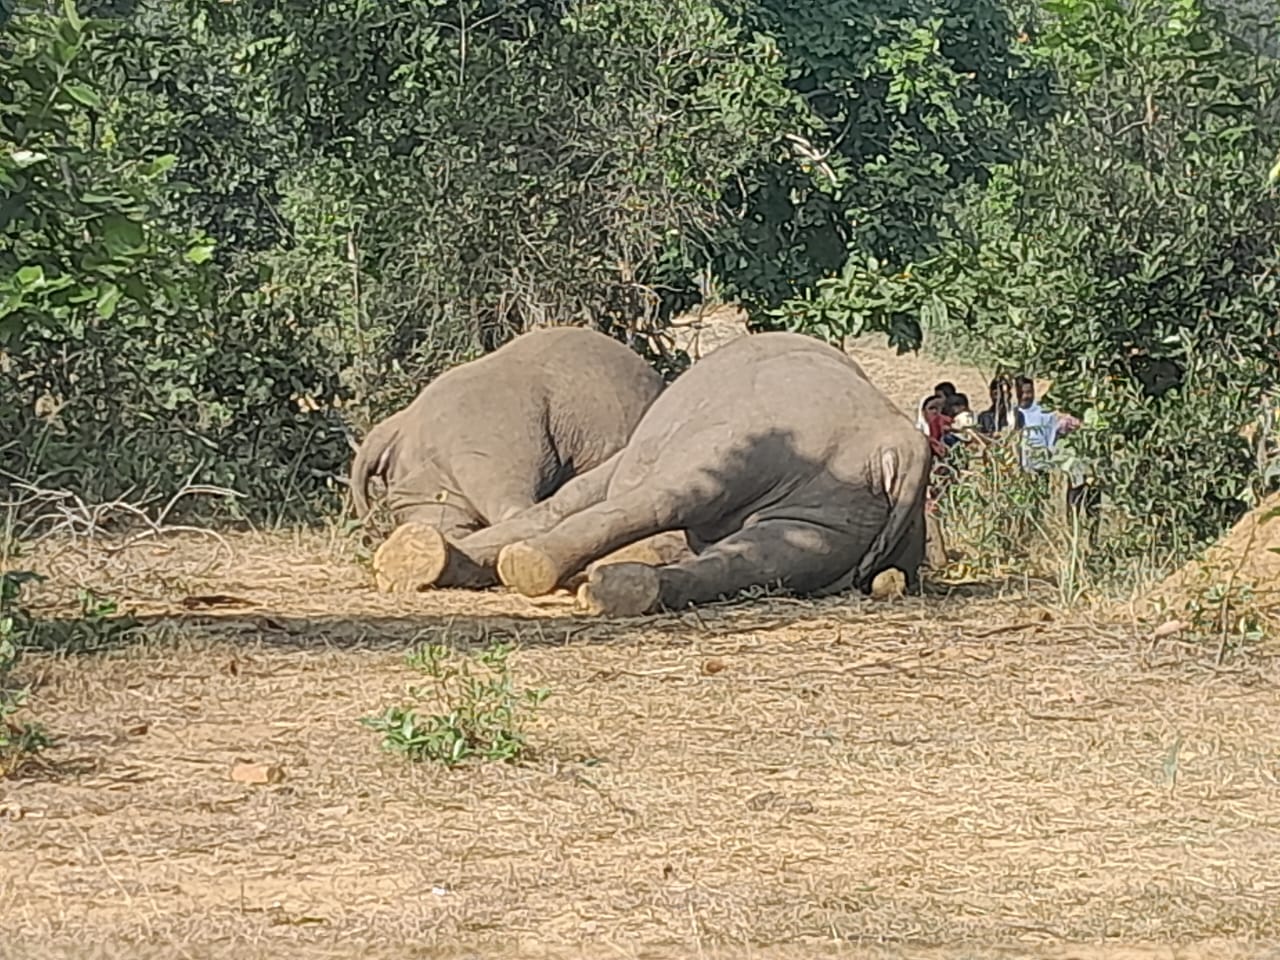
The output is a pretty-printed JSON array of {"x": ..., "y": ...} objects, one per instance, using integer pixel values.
[
  {"x": 545, "y": 373},
  {"x": 770, "y": 382},
  {"x": 763, "y": 412},
  {"x": 597, "y": 392}
]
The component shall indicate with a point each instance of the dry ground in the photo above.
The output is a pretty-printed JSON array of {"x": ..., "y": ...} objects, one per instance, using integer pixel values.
[
  {"x": 946, "y": 770},
  {"x": 965, "y": 775}
]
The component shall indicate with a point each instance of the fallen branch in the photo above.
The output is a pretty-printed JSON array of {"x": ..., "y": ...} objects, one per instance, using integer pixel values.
[{"x": 64, "y": 512}]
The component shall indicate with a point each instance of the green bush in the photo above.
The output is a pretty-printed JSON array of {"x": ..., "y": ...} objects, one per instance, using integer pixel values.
[
  {"x": 910, "y": 103},
  {"x": 480, "y": 715},
  {"x": 1149, "y": 281},
  {"x": 1130, "y": 257},
  {"x": 130, "y": 360}
]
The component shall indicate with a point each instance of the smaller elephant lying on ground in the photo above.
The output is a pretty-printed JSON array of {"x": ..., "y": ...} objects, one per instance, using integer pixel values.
[
  {"x": 775, "y": 454},
  {"x": 490, "y": 438}
]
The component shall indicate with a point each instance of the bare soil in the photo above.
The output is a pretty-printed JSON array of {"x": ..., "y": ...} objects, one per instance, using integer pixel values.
[{"x": 968, "y": 774}]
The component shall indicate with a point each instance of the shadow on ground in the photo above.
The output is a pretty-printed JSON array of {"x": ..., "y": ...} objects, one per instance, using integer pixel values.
[{"x": 468, "y": 619}]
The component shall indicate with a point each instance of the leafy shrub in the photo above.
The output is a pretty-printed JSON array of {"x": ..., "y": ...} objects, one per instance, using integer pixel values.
[
  {"x": 80, "y": 248},
  {"x": 130, "y": 361},
  {"x": 502, "y": 165},
  {"x": 479, "y": 713},
  {"x": 1130, "y": 257},
  {"x": 1161, "y": 299},
  {"x": 909, "y": 104}
]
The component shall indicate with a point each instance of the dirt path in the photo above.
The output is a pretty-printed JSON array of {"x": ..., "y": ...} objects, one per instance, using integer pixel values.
[{"x": 952, "y": 771}]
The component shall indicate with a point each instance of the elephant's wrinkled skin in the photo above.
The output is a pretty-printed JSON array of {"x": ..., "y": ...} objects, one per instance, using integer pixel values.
[
  {"x": 490, "y": 438},
  {"x": 776, "y": 455}
]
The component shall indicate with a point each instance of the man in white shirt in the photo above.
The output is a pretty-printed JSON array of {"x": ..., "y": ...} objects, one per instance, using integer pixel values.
[
  {"x": 1039, "y": 427},
  {"x": 1040, "y": 430}
]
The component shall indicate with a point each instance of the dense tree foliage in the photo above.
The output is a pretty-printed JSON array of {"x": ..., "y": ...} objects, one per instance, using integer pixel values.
[
  {"x": 233, "y": 234},
  {"x": 1131, "y": 255},
  {"x": 907, "y": 102}
]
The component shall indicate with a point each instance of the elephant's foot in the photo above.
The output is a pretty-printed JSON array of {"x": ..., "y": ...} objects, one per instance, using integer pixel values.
[
  {"x": 526, "y": 569},
  {"x": 889, "y": 585},
  {"x": 656, "y": 551},
  {"x": 411, "y": 559},
  {"x": 642, "y": 551},
  {"x": 620, "y": 590}
]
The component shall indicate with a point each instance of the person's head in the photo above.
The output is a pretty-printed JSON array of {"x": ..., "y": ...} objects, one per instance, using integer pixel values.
[
  {"x": 1026, "y": 389},
  {"x": 955, "y": 405},
  {"x": 945, "y": 389},
  {"x": 998, "y": 391},
  {"x": 931, "y": 405}
]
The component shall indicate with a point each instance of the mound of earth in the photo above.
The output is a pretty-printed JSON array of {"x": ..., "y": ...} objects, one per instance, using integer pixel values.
[{"x": 1248, "y": 555}]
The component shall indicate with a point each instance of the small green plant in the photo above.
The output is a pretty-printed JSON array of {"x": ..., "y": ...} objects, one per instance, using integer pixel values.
[
  {"x": 101, "y": 623},
  {"x": 479, "y": 713},
  {"x": 19, "y": 741}
]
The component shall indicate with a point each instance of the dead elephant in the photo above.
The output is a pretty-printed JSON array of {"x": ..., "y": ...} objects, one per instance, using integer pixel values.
[
  {"x": 488, "y": 439},
  {"x": 775, "y": 454}
]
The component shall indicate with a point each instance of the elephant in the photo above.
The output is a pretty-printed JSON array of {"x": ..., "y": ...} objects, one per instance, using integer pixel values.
[
  {"x": 778, "y": 458},
  {"x": 490, "y": 438}
]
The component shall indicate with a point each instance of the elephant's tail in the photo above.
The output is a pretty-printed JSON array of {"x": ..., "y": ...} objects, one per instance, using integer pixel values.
[{"x": 372, "y": 460}]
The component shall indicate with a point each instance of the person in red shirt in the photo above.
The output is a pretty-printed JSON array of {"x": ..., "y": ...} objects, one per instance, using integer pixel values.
[{"x": 939, "y": 425}]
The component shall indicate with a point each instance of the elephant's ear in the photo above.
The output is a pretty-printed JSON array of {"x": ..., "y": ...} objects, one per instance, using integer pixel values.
[{"x": 374, "y": 459}]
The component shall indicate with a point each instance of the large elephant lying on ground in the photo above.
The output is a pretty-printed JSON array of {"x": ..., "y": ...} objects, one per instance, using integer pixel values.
[
  {"x": 492, "y": 437},
  {"x": 776, "y": 455}
]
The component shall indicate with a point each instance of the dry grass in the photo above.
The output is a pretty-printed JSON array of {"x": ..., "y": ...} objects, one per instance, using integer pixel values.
[
  {"x": 1211, "y": 950},
  {"x": 953, "y": 770}
]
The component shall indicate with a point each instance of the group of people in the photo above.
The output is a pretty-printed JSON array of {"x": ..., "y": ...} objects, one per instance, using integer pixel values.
[{"x": 946, "y": 418}]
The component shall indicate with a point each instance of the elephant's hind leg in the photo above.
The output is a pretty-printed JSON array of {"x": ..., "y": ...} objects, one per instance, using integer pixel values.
[
  {"x": 537, "y": 565},
  {"x": 801, "y": 556},
  {"x": 418, "y": 555},
  {"x": 421, "y": 556}
]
